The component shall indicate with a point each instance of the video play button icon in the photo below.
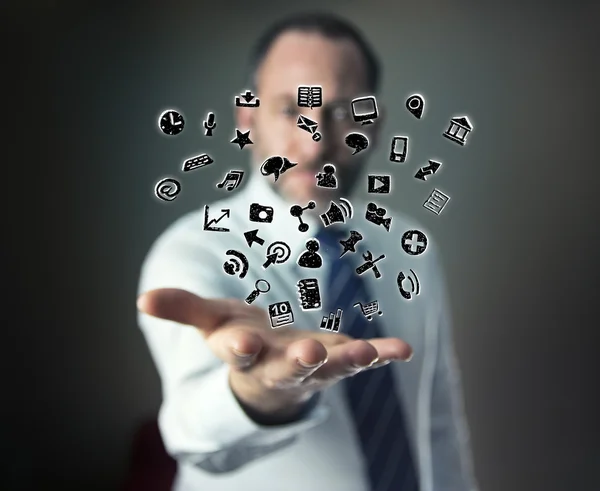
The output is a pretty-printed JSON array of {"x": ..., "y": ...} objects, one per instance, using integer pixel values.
[{"x": 378, "y": 184}]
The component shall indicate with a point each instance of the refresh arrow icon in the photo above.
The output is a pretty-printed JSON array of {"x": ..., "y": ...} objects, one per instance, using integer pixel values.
[{"x": 427, "y": 170}]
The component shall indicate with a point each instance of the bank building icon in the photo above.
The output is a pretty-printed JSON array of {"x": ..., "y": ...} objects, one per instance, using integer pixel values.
[{"x": 458, "y": 130}]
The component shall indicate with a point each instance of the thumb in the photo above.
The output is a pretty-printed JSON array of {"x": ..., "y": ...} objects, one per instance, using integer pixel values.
[{"x": 185, "y": 307}]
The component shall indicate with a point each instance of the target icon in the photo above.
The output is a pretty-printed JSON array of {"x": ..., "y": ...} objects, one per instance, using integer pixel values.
[{"x": 277, "y": 253}]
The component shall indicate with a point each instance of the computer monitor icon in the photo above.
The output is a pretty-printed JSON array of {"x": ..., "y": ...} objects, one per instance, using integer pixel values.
[{"x": 364, "y": 109}]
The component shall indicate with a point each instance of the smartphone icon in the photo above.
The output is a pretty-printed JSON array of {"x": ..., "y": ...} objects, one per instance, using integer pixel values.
[{"x": 399, "y": 149}]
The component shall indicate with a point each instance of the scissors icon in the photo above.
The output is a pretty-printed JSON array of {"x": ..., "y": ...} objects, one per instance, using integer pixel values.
[{"x": 258, "y": 290}]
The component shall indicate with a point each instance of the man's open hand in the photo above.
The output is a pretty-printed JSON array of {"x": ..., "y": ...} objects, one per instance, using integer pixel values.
[{"x": 273, "y": 371}]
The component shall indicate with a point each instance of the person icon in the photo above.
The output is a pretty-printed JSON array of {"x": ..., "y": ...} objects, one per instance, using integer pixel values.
[
  {"x": 327, "y": 179},
  {"x": 311, "y": 258}
]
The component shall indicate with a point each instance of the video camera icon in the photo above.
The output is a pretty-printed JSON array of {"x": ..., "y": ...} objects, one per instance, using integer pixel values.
[{"x": 375, "y": 214}]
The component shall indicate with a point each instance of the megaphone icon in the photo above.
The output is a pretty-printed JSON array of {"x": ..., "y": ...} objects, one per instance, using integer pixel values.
[{"x": 337, "y": 213}]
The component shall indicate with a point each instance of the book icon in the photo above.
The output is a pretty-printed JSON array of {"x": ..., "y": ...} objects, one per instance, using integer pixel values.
[
  {"x": 310, "y": 96},
  {"x": 332, "y": 323}
]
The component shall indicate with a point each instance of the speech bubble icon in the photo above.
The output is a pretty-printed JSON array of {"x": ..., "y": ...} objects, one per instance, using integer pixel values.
[
  {"x": 357, "y": 141},
  {"x": 276, "y": 166}
]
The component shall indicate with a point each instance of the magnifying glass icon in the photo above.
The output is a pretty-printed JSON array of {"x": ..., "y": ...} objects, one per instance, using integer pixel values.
[{"x": 261, "y": 286}]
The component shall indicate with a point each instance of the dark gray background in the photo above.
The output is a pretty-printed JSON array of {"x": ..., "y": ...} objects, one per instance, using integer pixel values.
[{"x": 520, "y": 236}]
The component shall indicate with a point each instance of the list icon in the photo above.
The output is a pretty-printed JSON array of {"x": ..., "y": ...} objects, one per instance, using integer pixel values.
[{"x": 436, "y": 202}]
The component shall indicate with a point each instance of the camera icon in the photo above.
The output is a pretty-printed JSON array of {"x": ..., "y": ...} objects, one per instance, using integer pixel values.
[{"x": 260, "y": 213}]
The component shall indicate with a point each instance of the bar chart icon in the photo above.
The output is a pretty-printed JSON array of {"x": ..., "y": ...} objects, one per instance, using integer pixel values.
[{"x": 332, "y": 323}]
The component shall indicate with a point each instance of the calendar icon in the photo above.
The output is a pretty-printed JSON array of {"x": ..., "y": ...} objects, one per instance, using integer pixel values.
[{"x": 280, "y": 314}]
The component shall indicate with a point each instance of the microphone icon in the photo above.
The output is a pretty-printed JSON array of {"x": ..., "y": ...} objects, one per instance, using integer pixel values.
[{"x": 209, "y": 124}]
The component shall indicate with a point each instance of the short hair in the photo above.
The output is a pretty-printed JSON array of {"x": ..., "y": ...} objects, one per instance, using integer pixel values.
[{"x": 329, "y": 26}]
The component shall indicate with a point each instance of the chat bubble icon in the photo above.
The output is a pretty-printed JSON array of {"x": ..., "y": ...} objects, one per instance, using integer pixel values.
[
  {"x": 276, "y": 166},
  {"x": 357, "y": 141}
]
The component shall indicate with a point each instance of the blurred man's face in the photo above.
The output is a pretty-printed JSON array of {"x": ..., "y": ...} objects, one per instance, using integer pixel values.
[{"x": 298, "y": 58}]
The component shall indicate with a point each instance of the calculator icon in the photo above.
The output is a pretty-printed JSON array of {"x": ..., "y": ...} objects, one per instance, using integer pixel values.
[{"x": 280, "y": 314}]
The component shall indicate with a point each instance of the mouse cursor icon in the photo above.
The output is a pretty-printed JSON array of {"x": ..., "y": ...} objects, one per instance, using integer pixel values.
[{"x": 252, "y": 236}]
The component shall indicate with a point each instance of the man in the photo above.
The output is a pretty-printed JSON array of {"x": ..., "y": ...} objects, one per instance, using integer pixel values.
[{"x": 251, "y": 405}]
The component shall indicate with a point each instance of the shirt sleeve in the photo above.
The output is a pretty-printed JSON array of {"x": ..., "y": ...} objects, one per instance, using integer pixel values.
[
  {"x": 452, "y": 459},
  {"x": 200, "y": 418}
]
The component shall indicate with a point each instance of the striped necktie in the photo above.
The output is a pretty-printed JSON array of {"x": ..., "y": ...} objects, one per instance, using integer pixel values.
[{"x": 373, "y": 404}]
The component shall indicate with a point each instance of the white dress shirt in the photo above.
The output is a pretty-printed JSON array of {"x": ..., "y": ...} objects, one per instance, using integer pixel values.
[{"x": 218, "y": 447}]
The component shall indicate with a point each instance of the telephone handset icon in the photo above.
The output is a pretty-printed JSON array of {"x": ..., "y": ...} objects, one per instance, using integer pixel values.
[{"x": 414, "y": 284}]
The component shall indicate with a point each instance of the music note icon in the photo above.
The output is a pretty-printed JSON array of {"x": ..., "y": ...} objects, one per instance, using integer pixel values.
[{"x": 232, "y": 180}]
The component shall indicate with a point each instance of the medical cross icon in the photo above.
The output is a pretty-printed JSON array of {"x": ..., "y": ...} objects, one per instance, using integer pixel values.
[{"x": 414, "y": 242}]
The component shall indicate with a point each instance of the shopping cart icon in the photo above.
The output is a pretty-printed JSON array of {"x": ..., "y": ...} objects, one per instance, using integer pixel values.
[{"x": 369, "y": 309}]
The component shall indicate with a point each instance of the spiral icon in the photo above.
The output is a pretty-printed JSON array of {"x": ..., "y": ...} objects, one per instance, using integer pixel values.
[
  {"x": 280, "y": 251},
  {"x": 167, "y": 189}
]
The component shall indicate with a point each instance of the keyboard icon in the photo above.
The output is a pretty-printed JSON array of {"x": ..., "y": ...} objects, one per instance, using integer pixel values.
[{"x": 197, "y": 162}]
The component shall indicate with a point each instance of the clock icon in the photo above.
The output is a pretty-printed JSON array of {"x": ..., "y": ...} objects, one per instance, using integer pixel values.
[{"x": 171, "y": 122}]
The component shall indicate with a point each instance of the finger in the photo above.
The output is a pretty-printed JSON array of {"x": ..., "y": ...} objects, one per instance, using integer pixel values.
[
  {"x": 291, "y": 367},
  {"x": 186, "y": 308},
  {"x": 392, "y": 349},
  {"x": 347, "y": 359},
  {"x": 238, "y": 346}
]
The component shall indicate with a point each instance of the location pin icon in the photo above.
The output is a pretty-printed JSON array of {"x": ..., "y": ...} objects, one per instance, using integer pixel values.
[{"x": 415, "y": 104}]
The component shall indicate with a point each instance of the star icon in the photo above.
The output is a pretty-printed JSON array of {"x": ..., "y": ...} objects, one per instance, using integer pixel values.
[{"x": 242, "y": 139}]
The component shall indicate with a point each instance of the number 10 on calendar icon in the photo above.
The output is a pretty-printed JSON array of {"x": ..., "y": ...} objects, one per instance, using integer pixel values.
[{"x": 280, "y": 314}]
